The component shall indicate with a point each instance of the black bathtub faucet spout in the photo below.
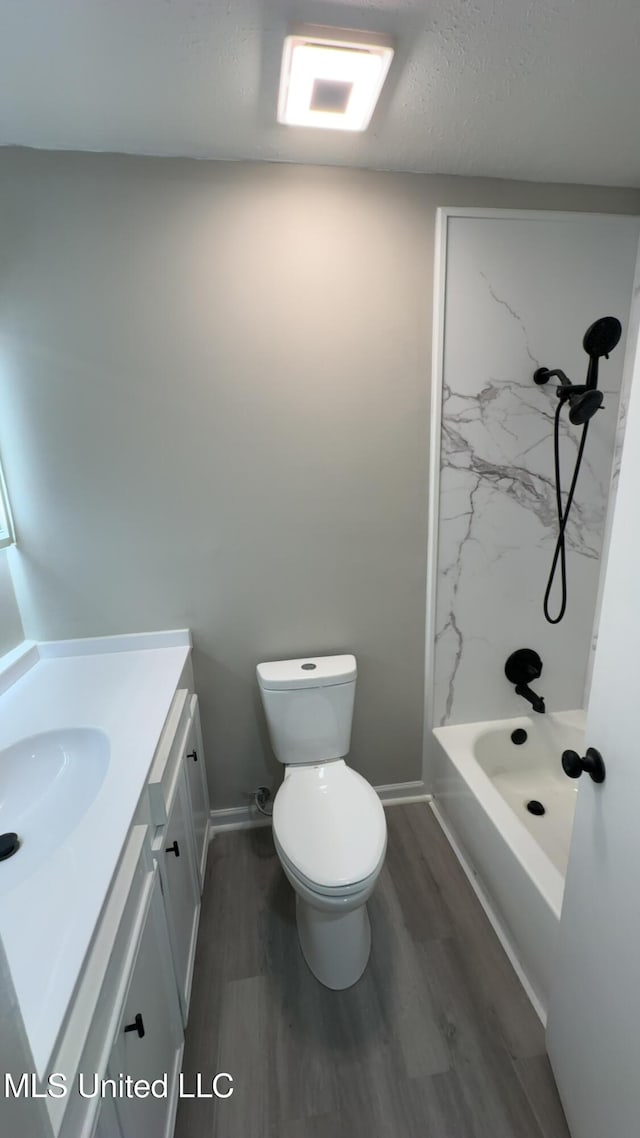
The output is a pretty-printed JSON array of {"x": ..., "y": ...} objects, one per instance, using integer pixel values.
[
  {"x": 523, "y": 666},
  {"x": 536, "y": 701}
]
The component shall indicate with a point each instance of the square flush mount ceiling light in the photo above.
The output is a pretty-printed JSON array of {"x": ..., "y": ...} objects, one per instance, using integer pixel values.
[{"x": 332, "y": 78}]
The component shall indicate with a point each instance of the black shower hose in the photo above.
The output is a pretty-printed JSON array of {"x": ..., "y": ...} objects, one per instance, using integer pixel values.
[{"x": 563, "y": 518}]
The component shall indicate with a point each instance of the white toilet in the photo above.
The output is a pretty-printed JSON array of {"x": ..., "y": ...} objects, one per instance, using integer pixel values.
[{"x": 329, "y": 826}]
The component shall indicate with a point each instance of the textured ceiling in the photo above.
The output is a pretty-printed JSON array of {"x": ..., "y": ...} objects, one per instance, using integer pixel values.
[{"x": 536, "y": 89}]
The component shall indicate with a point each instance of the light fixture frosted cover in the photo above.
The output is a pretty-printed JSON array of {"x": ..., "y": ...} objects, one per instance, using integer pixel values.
[{"x": 332, "y": 79}]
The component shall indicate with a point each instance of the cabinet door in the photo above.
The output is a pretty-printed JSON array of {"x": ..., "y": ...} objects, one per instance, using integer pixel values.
[
  {"x": 148, "y": 1043},
  {"x": 180, "y": 886},
  {"x": 198, "y": 790}
]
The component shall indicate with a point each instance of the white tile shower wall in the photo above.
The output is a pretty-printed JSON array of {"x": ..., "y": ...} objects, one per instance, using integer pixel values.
[
  {"x": 625, "y": 390},
  {"x": 520, "y": 293},
  {"x": 631, "y": 342}
]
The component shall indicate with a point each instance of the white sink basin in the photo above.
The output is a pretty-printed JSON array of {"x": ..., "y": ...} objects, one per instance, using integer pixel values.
[{"x": 47, "y": 782}]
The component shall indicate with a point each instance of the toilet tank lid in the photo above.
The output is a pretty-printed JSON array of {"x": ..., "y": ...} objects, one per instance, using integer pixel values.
[{"x": 307, "y": 672}]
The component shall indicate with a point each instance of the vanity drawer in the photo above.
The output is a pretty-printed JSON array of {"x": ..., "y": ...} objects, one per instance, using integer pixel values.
[
  {"x": 87, "y": 1036},
  {"x": 164, "y": 768}
]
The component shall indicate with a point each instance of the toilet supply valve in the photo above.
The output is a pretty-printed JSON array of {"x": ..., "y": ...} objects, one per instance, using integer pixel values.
[{"x": 262, "y": 799}]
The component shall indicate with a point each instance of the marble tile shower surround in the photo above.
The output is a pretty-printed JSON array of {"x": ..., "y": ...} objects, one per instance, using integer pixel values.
[
  {"x": 625, "y": 391},
  {"x": 632, "y": 350},
  {"x": 520, "y": 294}
]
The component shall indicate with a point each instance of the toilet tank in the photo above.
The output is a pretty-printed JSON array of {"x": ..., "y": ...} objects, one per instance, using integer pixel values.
[{"x": 308, "y": 704}]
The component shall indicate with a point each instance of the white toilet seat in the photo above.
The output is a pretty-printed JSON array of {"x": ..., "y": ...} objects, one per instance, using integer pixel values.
[
  {"x": 330, "y": 828},
  {"x": 328, "y": 892}
]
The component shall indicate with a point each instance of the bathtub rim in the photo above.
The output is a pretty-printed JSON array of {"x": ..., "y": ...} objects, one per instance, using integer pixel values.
[{"x": 530, "y": 855}]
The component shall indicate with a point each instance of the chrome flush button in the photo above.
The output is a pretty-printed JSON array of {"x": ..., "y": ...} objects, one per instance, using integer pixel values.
[{"x": 308, "y": 667}]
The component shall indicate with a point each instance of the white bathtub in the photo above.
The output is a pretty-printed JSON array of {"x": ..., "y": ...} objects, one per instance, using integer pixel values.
[{"x": 516, "y": 860}]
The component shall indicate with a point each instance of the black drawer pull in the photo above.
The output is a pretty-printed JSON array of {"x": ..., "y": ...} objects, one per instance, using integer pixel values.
[
  {"x": 137, "y": 1025},
  {"x": 193, "y": 755},
  {"x": 175, "y": 848}
]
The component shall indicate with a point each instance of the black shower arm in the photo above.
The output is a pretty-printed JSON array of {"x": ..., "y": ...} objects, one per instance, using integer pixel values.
[
  {"x": 543, "y": 374},
  {"x": 567, "y": 388}
]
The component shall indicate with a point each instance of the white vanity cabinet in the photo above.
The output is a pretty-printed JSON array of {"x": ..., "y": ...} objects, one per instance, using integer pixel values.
[
  {"x": 174, "y": 850},
  {"x": 176, "y": 782},
  {"x": 131, "y": 1005},
  {"x": 198, "y": 789},
  {"x": 99, "y": 933},
  {"x": 148, "y": 1042},
  {"x": 135, "y": 1027}
]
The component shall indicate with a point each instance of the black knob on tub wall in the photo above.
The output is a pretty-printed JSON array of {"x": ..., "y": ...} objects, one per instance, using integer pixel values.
[
  {"x": 137, "y": 1025},
  {"x": 523, "y": 666},
  {"x": 592, "y": 763},
  {"x": 193, "y": 755},
  {"x": 174, "y": 848}
]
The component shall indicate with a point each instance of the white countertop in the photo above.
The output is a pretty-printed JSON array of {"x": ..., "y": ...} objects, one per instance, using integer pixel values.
[{"x": 48, "y": 919}]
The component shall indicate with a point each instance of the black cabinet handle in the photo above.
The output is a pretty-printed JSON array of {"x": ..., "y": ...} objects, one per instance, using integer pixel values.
[
  {"x": 193, "y": 755},
  {"x": 137, "y": 1025},
  {"x": 174, "y": 848},
  {"x": 592, "y": 763}
]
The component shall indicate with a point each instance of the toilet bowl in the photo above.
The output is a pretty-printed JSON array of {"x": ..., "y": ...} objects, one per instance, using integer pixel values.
[{"x": 329, "y": 827}]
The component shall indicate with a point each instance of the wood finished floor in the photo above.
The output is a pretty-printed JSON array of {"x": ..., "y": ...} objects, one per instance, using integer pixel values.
[{"x": 437, "y": 1040}]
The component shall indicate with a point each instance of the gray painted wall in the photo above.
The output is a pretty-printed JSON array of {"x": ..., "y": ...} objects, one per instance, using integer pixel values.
[
  {"x": 10, "y": 623},
  {"x": 215, "y": 397}
]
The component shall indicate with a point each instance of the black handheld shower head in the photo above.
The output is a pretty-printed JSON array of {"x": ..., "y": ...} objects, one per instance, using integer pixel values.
[
  {"x": 599, "y": 339},
  {"x": 602, "y": 336},
  {"x": 584, "y": 400},
  {"x": 584, "y": 405}
]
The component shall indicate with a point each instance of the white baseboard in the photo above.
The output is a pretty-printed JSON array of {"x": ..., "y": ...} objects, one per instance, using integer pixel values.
[
  {"x": 492, "y": 916},
  {"x": 236, "y": 818},
  {"x": 246, "y": 817},
  {"x": 401, "y": 793}
]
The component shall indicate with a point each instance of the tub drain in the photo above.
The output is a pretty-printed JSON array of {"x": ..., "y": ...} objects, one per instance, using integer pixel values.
[
  {"x": 9, "y": 844},
  {"x": 535, "y": 807}
]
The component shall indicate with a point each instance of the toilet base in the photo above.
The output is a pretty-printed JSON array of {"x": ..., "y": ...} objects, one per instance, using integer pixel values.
[{"x": 336, "y": 946}]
